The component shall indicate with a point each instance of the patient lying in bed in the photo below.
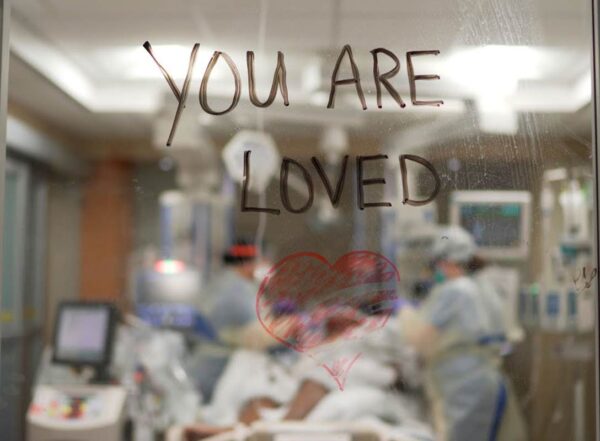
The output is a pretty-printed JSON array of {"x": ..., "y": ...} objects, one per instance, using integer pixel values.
[{"x": 288, "y": 386}]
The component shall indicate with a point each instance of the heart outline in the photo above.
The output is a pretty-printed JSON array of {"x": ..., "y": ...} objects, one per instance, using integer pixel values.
[{"x": 332, "y": 268}]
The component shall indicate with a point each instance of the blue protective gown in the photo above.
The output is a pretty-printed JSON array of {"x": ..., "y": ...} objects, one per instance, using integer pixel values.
[
  {"x": 228, "y": 302},
  {"x": 467, "y": 389}
]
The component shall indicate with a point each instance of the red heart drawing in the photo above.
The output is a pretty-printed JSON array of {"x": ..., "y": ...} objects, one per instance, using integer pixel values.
[{"x": 304, "y": 301}]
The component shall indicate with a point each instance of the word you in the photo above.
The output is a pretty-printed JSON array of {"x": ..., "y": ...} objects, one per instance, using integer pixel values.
[
  {"x": 280, "y": 82},
  {"x": 335, "y": 193},
  {"x": 306, "y": 303}
]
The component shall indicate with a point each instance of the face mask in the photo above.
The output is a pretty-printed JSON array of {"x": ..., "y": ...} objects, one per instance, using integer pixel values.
[{"x": 439, "y": 276}]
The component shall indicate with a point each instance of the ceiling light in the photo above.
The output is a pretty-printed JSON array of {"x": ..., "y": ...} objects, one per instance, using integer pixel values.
[
  {"x": 494, "y": 67},
  {"x": 134, "y": 63}
]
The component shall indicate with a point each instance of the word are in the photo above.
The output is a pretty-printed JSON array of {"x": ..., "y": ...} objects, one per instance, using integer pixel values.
[
  {"x": 336, "y": 193},
  {"x": 280, "y": 82}
]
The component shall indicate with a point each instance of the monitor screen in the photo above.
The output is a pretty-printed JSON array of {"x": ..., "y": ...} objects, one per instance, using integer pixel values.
[
  {"x": 83, "y": 333},
  {"x": 493, "y": 225},
  {"x": 498, "y": 221}
]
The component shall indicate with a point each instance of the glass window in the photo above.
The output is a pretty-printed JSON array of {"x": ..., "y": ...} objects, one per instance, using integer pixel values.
[{"x": 373, "y": 219}]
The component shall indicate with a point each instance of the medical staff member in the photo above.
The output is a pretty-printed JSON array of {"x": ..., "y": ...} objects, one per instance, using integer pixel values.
[
  {"x": 229, "y": 305},
  {"x": 457, "y": 330}
]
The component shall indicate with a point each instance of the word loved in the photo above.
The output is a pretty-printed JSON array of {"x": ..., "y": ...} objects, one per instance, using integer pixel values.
[
  {"x": 336, "y": 193},
  {"x": 280, "y": 82}
]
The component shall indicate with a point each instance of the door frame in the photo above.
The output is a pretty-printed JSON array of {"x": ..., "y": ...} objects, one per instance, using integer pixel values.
[
  {"x": 4, "y": 57},
  {"x": 596, "y": 162}
]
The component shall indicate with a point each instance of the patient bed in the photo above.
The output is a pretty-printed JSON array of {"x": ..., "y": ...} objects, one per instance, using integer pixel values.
[
  {"x": 305, "y": 431},
  {"x": 367, "y": 409}
]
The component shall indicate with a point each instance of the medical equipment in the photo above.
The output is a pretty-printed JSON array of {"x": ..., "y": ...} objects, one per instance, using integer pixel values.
[
  {"x": 412, "y": 255},
  {"x": 165, "y": 289},
  {"x": 93, "y": 413},
  {"x": 574, "y": 203},
  {"x": 266, "y": 158},
  {"x": 414, "y": 230},
  {"x": 167, "y": 315},
  {"x": 555, "y": 310},
  {"x": 506, "y": 281},
  {"x": 167, "y": 283},
  {"x": 531, "y": 303},
  {"x": 498, "y": 220},
  {"x": 150, "y": 366},
  {"x": 567, "y": 303},
  {"x": 194, "y": 229},
  {"x": 566, "y": 300},
  {"x": 83, "y": 338},
  {"x": 193, "y": 150},
  {"x": 165, "y": 294}
]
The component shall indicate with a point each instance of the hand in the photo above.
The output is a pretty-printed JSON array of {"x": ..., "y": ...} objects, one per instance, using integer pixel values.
[{"x": 200, "y": 431}]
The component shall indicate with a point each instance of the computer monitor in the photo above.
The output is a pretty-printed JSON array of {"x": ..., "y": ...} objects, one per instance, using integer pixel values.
[
  {"x": 498, "y": 220},
  {"x": 84, "y": 333}
]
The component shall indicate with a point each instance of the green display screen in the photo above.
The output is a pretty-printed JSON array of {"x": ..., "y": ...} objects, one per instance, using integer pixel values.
[{"x": 493, "y": 225}]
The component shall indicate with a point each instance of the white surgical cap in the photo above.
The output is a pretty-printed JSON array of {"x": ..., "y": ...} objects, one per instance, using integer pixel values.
[{"x": 454, "y": 244}]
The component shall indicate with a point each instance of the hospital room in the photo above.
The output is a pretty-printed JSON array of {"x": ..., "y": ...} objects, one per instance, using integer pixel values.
[{"x": 317, "y": 220}]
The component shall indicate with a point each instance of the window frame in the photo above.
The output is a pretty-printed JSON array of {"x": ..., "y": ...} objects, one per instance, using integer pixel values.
[
  {"x": 594, "y": 4},
  {"x": 4, "y": 56}
]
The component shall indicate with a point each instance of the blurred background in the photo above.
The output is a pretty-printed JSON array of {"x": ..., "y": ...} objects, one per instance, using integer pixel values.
[{"x": 99, "y": 209}]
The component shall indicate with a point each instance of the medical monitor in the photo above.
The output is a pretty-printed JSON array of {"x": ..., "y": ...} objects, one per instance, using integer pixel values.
[
  {"x": 498, "y": 220},
  {"x": 83, "y": 334}
]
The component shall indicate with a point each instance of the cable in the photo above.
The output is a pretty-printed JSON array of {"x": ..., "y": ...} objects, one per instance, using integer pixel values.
[{"x": 260, "y": 124}]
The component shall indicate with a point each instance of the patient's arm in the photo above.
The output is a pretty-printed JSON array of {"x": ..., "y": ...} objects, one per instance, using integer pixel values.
[
  {"x": 251, "y": 336},
  {"x": 307, "y": 397},
  {"x": 251, "y": 410},
  {"x": 418, "y": 332},
  {"x": 200, "y": 431}
]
